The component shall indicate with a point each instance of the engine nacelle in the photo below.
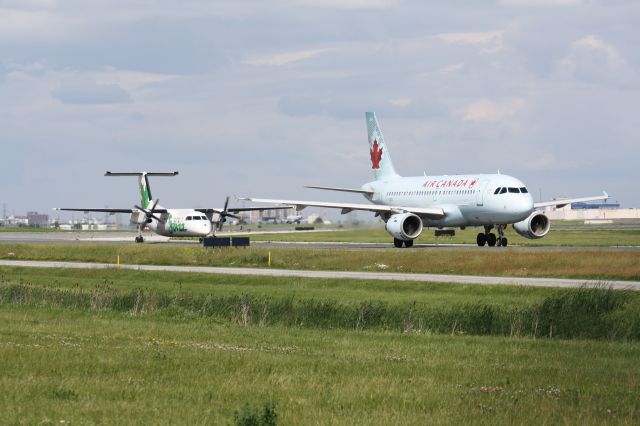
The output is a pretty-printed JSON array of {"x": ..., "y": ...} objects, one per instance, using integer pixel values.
[
  {"x": 537, "y": 225},
  {"x": 137, "y": 217},
  {"x": 405, "y": 226}
]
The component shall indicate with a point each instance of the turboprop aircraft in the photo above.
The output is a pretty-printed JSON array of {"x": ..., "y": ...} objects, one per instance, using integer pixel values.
[
  {"x": 198, "y": 222},
  {"x": 408, "y": 204}
]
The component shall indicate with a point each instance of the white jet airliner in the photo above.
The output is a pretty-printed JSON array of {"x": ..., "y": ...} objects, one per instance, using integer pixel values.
[
  {"x": 171, "y": 222},
  {"x": 407, "y": 204}
]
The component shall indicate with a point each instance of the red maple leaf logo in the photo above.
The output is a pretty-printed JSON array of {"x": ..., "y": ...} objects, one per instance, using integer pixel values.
[
  {"x": 473, "y": 182},
  {"x": 376, "y": 155}
]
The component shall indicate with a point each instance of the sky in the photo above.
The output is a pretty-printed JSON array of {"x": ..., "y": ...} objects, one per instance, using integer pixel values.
[{"x": 258, "y": 98}]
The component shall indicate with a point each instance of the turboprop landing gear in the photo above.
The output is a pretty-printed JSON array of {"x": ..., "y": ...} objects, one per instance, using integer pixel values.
[
  {"x": 399, "y": 243},
  {"x": 139, "y": 239}
]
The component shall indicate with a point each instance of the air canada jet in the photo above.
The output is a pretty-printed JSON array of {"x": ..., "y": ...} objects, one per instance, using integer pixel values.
[
  {"x": 408, "y": 204},
  {"x": 198, "y": 222}
]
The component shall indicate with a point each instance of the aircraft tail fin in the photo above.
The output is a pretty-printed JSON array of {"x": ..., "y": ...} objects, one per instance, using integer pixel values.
[
  {"x": 381, "y": 165},
  {"x": 143, "y": 184}
]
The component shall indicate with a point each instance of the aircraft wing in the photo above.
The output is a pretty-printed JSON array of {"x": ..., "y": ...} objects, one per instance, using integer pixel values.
[
  {"x": 67, "y": 209},
  {"x": 431, "y": 212},
  {"x": 242, "y": 209},
  {"x": 564, "y": 201}
]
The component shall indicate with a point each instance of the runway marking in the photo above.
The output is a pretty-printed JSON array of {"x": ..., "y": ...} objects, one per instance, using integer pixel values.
[{"x": 386, "y": 276}]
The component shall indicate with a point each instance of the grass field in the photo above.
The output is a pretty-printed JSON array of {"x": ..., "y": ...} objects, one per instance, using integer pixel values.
[
  {"x": 588, "y": 264},
  {"x": 137, "y": 347},
  {"x": 560, "y": 235}
]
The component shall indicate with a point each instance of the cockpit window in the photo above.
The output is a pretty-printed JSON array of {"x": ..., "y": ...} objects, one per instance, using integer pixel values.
[
  {"x": 188, "y": 218},
  {"x": 203, "y": 217},
  {"x": 524, "y": 190},
  {"x": 196, "y": 218},
  {"x": 503, "y": 191},
  {"x": 497, "y": 190},
  {"x": 514, "y": 190}
]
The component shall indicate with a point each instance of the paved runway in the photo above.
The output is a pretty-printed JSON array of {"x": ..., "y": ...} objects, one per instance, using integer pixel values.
[
  {"x": 387, "y": 276},
  {"x": 107, "y": 237}
]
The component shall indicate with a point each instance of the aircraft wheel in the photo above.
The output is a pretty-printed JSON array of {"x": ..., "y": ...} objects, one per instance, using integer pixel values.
[
  {"x": 491, "y": 240},
  {"x": 139, "y": 239},
  {"x": 481, "y": 239},
  {"x": 504, "y": 242},
  {"x": 408, "y": 243},
  {"x": 397, "y": 243}
]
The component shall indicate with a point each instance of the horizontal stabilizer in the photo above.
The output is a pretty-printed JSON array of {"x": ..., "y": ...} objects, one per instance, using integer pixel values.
[
  {"x": 331, "y": 188},
  {"x": 108, "y": 173}
]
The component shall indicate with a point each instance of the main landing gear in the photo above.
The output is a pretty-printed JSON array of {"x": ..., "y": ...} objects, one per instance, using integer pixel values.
[
  {"x": 399, "y": 243},
  {"x": 490, "y": 239},
  {"x": 139, "y": 239}
]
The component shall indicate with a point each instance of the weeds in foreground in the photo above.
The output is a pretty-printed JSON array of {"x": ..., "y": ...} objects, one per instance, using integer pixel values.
[
  {"x": 248, "y": 416},
  {"x": 588, "y": 312}
]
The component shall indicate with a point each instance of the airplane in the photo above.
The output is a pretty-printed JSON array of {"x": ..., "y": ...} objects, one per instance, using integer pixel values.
[
  {"x": 293, "y": 218},
  {"x": 409, "y": 204},
  {"x": 199, "y": 222}
]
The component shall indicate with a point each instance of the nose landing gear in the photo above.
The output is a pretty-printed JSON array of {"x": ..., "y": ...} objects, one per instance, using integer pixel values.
[{"x": 490, "y": 239}]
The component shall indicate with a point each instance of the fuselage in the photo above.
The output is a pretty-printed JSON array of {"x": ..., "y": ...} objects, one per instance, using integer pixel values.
[
  {"x": 467, "y": 200},
  {"x": 182, "y": 223}
]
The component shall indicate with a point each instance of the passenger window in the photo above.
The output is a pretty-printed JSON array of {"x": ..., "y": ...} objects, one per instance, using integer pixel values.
[
  {"x": 503, "y": 191},
  {"x": 496, "y": 191},
  {"x": 514, "y": 190},
  {"x": 524, "y": 190}
]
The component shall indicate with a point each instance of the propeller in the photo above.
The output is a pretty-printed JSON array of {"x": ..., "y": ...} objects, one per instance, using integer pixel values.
[
  {"x": 223, "y": 215},
  {"x": 151, "y": 213}
]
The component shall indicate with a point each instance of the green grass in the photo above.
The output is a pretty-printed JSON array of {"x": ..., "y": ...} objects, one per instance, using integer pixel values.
[
  {"x": 118, "y": 346},
  {"x": 576, "y": 236},
  {"x": 587, "y": 264},
  {"x": 596, "y": 313},
  {"x": 103, "y": 367}
]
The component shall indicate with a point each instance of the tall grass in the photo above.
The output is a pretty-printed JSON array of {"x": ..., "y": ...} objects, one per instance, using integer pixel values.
[{"x": 590, "y": 312}]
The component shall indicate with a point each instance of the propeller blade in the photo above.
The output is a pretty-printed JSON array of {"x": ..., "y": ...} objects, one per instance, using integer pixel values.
[
  {"x": 154, "y": 205},
  {"x": 226, "y": 204}
]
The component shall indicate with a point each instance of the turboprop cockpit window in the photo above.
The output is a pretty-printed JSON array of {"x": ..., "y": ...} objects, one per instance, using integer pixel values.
[
  {"x": 203, "y": 217},
  {"x": 188, "y": 218},
  {"x": 514, "y": 190},
  {"x": 497, "y": 190},
  {"x": 196, "y": 218},
  {"x": 524, "y": 190},
  {"x": 503, "y": 191}
]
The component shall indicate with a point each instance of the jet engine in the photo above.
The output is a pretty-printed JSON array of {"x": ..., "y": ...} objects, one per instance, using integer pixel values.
[
  {"x": 405, "y": 226},
  {"x": 537, "y": 225}
]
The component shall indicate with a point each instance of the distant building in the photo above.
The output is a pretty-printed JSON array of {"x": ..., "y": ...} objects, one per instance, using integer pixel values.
[
  {"x": 591, "y": 211},
  {"x": 37, "y": 220}
]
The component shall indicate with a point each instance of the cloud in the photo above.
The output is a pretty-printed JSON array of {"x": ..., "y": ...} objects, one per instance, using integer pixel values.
[
  {"x": 348, "y": 108},
  {"x": 487, "y": 110},
  {"x": 287, "y": 58},
  {"x": 346, "y": 4},
  {"x": 541, "y": 3},
  {"x": 592, "y": 60},
  {"x": 88, "y": 92}
]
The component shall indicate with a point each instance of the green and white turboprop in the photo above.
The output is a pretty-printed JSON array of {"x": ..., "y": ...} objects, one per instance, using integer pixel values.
[{"x": 198, "y": 222}]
